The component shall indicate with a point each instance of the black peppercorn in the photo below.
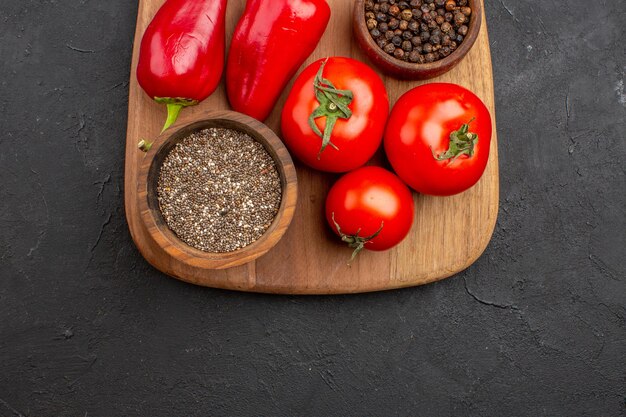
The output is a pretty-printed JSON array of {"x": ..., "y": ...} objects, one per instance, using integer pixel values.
[
  {"x": 459, "y": 18},
  {"x": 414, "y": 56},
  {"x": 389, "y": 48},
  {"x": 418, "y": 31}
]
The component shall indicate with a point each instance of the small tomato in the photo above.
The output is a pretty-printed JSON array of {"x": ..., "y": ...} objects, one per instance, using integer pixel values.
[{"x": 370, "y": 208}]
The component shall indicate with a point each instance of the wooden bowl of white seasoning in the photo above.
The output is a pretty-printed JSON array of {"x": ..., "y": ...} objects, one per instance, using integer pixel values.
[{"x": 193, "y": 261}]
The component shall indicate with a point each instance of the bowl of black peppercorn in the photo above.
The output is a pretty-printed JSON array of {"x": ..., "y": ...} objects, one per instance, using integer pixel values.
[{"x": 416, "y": 39}]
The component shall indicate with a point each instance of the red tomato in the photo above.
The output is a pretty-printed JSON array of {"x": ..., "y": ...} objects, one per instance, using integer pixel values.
[
  {"x": 438, "y": 138},
  {"x": 335, "y": 115},
  {"x": 370, "y": 208}
]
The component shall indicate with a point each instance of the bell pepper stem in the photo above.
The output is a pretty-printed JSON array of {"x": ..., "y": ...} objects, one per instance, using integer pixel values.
[
  {"x": 144, "y": 145},
  {"x": 173, "y": 110},
  {"x": 174, "y": 106}
]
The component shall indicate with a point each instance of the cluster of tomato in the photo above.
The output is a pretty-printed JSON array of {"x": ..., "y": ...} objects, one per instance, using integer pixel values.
[{"x": 437, "y": 140}]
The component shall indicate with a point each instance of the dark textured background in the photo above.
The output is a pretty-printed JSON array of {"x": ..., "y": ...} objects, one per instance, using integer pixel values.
[{"x": 535, "y": 328}]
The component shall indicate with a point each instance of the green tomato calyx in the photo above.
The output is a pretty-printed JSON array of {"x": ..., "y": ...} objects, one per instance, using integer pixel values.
[
  {"x": 355, "y": 241},
  {"x": 333, "y": 105},
  {"x": 462, "y": 142}
]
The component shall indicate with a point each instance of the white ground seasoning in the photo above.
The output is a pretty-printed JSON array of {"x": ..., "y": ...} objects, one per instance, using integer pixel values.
[{"x": 219, "y": 190}]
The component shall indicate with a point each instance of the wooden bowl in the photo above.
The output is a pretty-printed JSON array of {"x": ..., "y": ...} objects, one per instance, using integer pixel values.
[
  {"x": 162, "y": 235},
  {"x": 407, "y": 70}
]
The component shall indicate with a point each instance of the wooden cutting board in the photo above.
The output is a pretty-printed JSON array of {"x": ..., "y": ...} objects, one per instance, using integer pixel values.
[{"x": 448, "y": 234}]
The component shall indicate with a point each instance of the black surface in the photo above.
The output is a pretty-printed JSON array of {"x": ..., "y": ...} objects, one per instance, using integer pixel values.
[{"x": 535, "y": 328}]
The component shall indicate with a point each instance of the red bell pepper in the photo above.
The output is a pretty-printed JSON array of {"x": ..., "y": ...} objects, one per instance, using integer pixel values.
[
  {"x": 181, "y": 58},
  {"x": 271, "y": 41}
]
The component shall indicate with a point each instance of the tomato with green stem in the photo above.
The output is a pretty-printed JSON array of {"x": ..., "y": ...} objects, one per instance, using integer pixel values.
[
  {"x": 438, "y": 138},
  {"x": 334, "y": 117},
  {"x": 370, "y": 208}
]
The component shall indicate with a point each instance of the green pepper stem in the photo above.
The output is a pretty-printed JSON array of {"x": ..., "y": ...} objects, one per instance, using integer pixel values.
[
  {"x": 173, "y": 110},
  {"x": 144, "y": 145},
  {"x": 174, "y": 106}
]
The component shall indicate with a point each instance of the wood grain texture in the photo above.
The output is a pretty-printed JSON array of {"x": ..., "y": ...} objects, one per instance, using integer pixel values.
[{"x": 448, "y": 234}]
